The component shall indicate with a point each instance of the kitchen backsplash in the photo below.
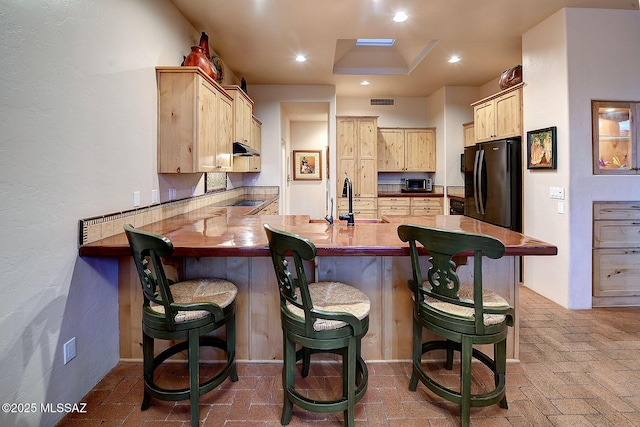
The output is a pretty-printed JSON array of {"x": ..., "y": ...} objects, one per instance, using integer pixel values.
[{"x": 100, "y": 227}]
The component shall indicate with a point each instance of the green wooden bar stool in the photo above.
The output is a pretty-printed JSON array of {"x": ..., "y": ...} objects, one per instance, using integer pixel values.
[
  {"x": 321, "y": 317},
  {"x": 462, "y": 315},
  {"x": 185, "y": 311}
]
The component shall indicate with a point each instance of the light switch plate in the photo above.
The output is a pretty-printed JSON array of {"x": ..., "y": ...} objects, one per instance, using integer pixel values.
[{"x": 556, "y": 193}]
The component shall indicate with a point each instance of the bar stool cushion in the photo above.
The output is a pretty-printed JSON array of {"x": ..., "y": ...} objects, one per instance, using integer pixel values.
[
  {"x": 217, "y": 291},
  {"x": 489, "y": 299},
  {"x": 335, "y": 297}
]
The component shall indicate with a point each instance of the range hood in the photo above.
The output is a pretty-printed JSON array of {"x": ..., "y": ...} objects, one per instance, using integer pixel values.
[{"x": 240, "y": 149}]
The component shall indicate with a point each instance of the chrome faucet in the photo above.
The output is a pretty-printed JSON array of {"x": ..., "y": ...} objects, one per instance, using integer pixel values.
[
  {"x": 329, "y": 216},
  {"x": 347, "y": 190}
]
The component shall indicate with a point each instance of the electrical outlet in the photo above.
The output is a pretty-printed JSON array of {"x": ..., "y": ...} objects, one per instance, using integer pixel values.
[
  {"x": 172, "y": 194},
  {"x": 136, "y": 198},
  {"x": 154, "y": 196},
  {"x": 69, "y": 350}
]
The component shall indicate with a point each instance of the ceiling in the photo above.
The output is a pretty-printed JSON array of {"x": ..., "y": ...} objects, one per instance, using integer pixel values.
[{"x": 259, "y": 40}]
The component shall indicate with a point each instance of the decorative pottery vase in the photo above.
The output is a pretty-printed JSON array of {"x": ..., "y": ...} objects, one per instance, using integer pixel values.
[
  {"x": 197, "y": 57},
  {"x": 204, "y": 43}
]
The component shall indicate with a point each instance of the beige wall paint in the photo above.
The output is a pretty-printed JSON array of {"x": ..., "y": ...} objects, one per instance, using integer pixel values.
[
  {"x": 79, "y": 137},
  {"x": 310, "y": 197},
  {"x": 569, "y": 60}
]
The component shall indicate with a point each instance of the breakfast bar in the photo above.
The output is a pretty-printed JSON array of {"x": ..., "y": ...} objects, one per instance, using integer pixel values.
[{"x": 230, "y": 243}]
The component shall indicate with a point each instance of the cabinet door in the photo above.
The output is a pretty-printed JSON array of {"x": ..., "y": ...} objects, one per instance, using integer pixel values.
[
  {"x": 484, "y": 121},
  {"x": 469, "y": 134},
  {"x": 420, "y": 150},
  {"x": 224, "y": 147},
  {"x": 367, "y": 178},
  {"x": 616, "y": 272},
  {"x": 615, "y": 137},
  {"x": 346, "y": 151},
  {"x": 508, "y": 115},
  {"x": 391, "y": 150},
  {"x": 255, "y": 162},
  {"x": 178, "y": 111}
]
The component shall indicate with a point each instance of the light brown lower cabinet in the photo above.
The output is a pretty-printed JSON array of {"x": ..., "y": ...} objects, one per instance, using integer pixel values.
[
  {"x": 410, "y": 206},
  {"x": 616, "y": 253},
  {"x": 427, "y": 205},
  {"x": 394, "y": 206},
  {"x": 363, "y": 207}
]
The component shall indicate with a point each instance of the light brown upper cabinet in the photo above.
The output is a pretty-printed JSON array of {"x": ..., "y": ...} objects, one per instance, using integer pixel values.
[
  {"x": 406, "y": 150},
  {"x": 194, "y": 127},
  {"x": 615, "y": 137},
  {"x": 499, "y": 116},
  {"x": 469, "y": 134},
  {"x": 356, "y": 154},
  {"x": 242, "y": 127}
]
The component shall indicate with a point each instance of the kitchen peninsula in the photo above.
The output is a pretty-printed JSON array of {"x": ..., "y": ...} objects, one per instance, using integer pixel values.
[{"x": 229, "y": 242}]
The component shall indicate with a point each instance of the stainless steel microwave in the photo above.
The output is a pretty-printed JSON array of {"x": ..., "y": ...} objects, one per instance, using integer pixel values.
[{"x": 417, "y": 185}]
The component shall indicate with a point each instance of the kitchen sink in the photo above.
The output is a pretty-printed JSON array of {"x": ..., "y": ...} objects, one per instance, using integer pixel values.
[
  {"x": 357, "y": 221},
  {"x": 249, "y": 203}
]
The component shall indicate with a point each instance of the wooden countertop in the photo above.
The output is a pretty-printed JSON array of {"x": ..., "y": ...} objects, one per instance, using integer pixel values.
[{"x": 229, "y": 231}]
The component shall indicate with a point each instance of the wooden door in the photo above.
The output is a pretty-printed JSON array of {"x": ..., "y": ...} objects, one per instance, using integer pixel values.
[
  {"x": 484, "y": 121},
  {"x": 508, "y": 115},
  {"x": 206, "y": 127},
  {"x": 420, "y": 149},
  {"x": 367, "y": 161},
  {"x": 346, "y": 151},
  {"x": 224, "y": 147},
  {"x": 391, "y": 150}
]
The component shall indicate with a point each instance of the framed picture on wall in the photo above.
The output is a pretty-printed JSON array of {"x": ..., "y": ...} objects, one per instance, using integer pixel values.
[
  {"x": 541, "y": 149},
  {"x": 307, "y": 165}
]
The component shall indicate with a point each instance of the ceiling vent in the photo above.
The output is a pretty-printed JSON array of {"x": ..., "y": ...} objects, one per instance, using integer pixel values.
[{"x": 383, "y": 101}]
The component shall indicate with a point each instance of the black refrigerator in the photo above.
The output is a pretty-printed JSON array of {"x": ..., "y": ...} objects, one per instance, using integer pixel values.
[{"x": 493, "y": 183}]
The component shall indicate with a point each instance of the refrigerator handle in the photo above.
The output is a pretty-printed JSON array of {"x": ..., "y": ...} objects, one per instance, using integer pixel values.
[
  {"x": 475, "y": 180},
  {"x": 480, "y": 198}
]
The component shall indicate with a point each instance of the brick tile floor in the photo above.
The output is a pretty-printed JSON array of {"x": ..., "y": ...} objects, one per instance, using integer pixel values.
[{"x": 577, "y": 368}]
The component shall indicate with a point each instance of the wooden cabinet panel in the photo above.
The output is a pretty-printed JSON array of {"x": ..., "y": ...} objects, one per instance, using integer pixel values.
[
  {"x": 406, "y": 150},
  {"x": 616, "y": 210},
  {"x": 616, "y": 253},
  {"x": 469, "y": 134},
  {"x": 193, "y": 127},
  {"x": 427, "y": 205},
  {"x": 616, "y": 234},
  {"x": 243, "y": 128},
  {"x": 394, "y": 206},
  {"x": 363, "y": 207},
  {"x": 617, "y": 272},
  {"x": 420, "y": 152},
  {"x": 390, "y": 150},
  {"x": 508, "y": 114},
  {"x": 357, "y": 155},
  {"x": 499, "y": 116}
]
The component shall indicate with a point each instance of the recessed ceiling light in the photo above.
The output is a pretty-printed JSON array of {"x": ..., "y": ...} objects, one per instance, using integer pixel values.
[
  {"x": 400, "y": 17},
  {"x": 454, "y": 59},
  {"x": 301, "y": 58},
  {"x": 364, "y": 83}
]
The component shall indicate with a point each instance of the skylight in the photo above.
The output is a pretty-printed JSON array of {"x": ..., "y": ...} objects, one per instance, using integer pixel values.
[{"x": 375, "y": 42}]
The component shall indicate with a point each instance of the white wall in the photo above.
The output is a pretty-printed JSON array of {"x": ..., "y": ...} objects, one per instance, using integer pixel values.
[
  {"x": 458, "y": 110},
  {"x": 310, "y": 197},
  {"x": 78, "y": 138},
  {"x": 268, "y": 100},
  {"x": 545, "y": 74},
  {"x": 406, "y": 112},
  {"x": 571, "y": 58}
]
